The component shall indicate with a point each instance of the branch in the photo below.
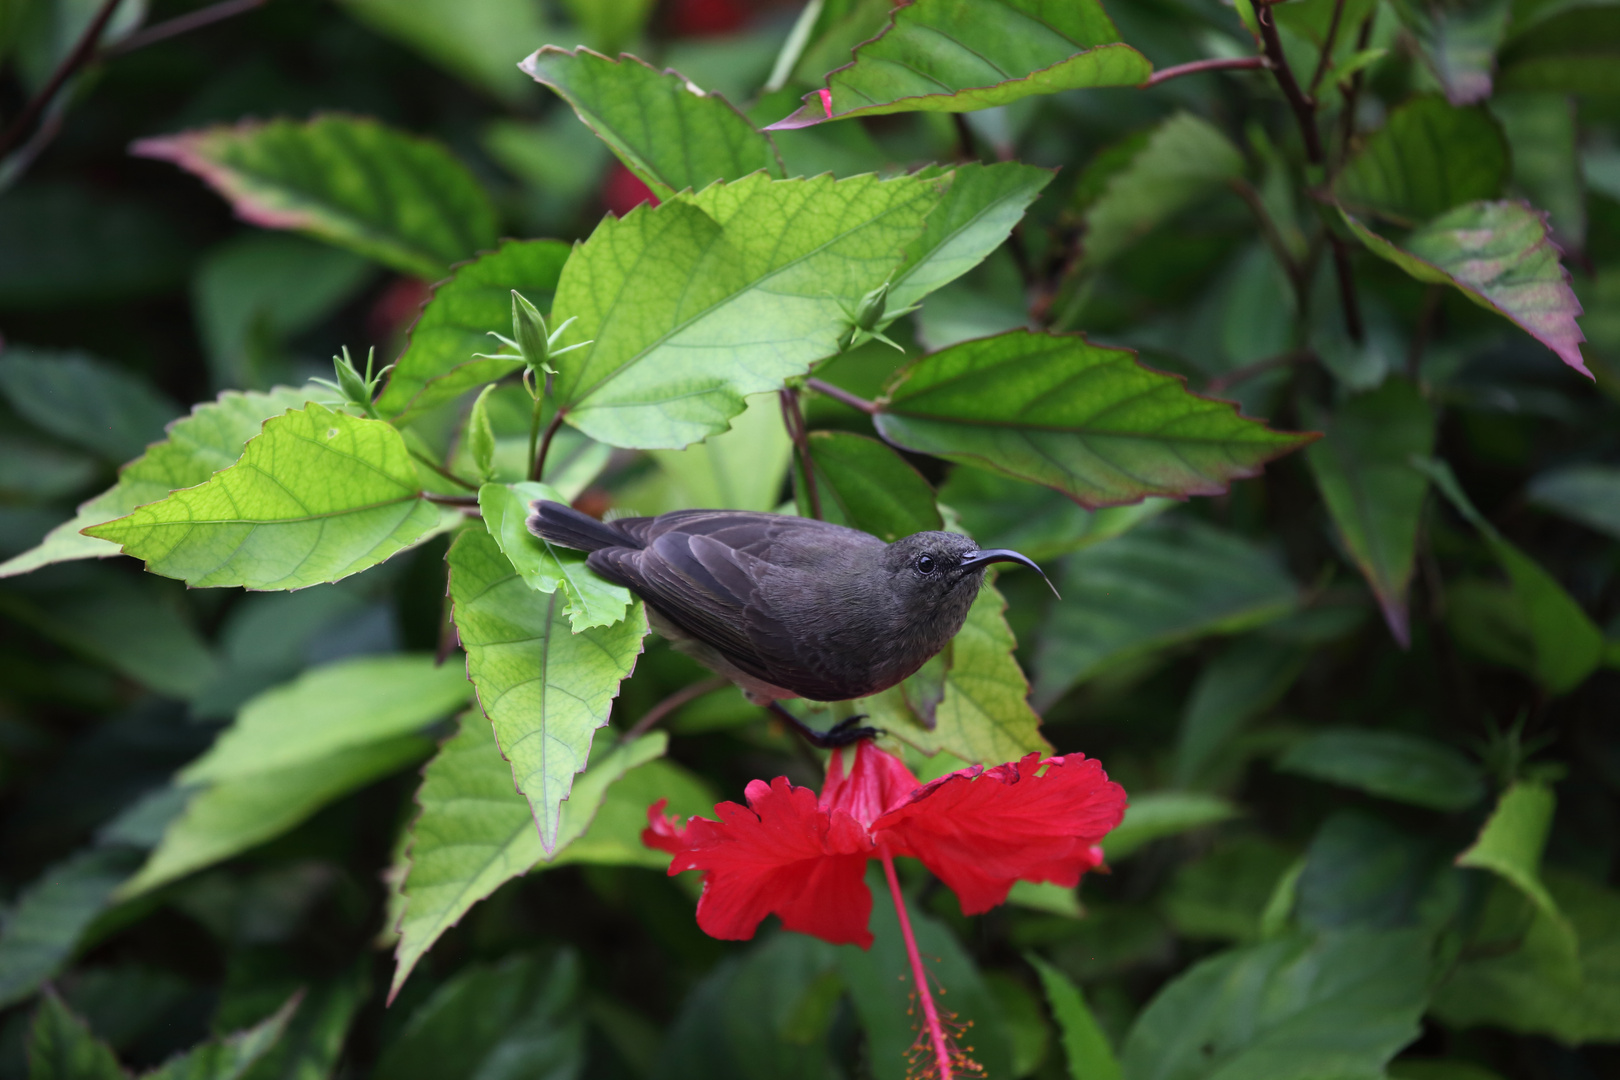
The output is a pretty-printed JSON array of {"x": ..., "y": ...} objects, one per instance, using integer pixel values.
[
  {"x": 182, "y": 24},
  {"x": 444, "y": 472},
  {"x": 1273, "y": 236},
  {"x": 793, "y": 420},
  {"x": 1323, "y": 60},
  {"x": 837, "y": 393},
  {"x": 83, "y": 52},
  {"x": 1347, "y": 116},
  {"x": 1219, "y": 63},
  {"x": 1347, "y": 287},
  {"x": 1226, "y": 379},
  {"x": 674, "y": 701},
  {"x": 537, "y": 470}
]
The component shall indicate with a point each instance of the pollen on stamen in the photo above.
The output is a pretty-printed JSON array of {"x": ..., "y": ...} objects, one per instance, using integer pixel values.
[{"x": 921, "y": 1061}]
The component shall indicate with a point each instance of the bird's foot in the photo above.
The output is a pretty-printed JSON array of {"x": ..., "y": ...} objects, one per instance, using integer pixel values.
[{"x": 844, "y": 733}]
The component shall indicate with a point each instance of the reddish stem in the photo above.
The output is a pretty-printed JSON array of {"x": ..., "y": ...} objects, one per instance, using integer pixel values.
[
  {"x": 936, "y": 1031},
  {"x": 1217, "y": 63}
]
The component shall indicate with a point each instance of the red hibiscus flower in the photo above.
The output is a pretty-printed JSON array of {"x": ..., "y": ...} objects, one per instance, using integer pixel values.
[{"x": 803, "y": 859}]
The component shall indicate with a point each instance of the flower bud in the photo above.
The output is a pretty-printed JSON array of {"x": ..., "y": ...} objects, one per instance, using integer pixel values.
[
  {"x": 870, "y": 312},
  {"x": 530, "y": 333}
]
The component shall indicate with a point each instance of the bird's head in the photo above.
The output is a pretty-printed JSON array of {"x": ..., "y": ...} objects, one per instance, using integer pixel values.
[{"x": 942, "y": 569}]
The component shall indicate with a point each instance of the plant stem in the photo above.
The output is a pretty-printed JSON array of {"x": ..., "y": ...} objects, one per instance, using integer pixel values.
[
  {"x": 444, "y": 472},
  {"x": 1273, "y": 236},
  {"x": 838, "y": 393},
  {"x": 1347, "y": 287},
  {"x": 793, "y": 420},
  {"x": 671, "y": 703},
  {"x": 1323, "y": 60},
  {"x": 1217, "y": 63},
  {"x": 1347, "y": 117},
  {"x": 936, "y": 1031},
  {"x": 465, "y": 502},
  {"x": 538, "y": 469},
  {"x": 182, "y": 24},
  {"x": 1248, "y": 371},
  {"x": 83, "y": 52},
  {"x": 1304, "y": 108},
  {"x": 534, "y": 426}
]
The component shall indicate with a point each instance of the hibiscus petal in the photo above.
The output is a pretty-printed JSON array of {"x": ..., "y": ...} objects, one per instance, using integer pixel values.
[
  {"x": 781, "y": 854},
  {"x": 980, "y": 832},
  {"x": 876, "y": 782}
]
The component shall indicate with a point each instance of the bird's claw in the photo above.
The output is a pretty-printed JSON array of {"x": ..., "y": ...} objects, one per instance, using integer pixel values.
[{"x": 844, "y": 733}]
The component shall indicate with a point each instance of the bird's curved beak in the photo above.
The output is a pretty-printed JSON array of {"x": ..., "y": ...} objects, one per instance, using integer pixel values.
[{"x": 994, "y": 555}]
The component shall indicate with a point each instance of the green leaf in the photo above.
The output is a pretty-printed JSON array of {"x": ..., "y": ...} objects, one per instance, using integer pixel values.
[
  {"x": 319, "y": 496},
  {"x": 1589, "y": 494},
  {"x": 225, "y": 819},
  {"x": 1296, "y": 1008},
  {"x": 591, "y": 600},
  {"x": 962, "y": 55},
  {"x": 232, "y": 1056},
  {"x": 1243, "y": 681},
  {"x": 610, "y": 24},
  {"x": 330, "y": 709},
  {"x": 103, "y": 408},
  {"x": 695, "y": 304},
  {"x": 1498, "y": 255},
  {"x": 1222, "y": 895},
  {"x": 1541, "y": 131},
  {"x": 982, "y": 713},
  {"x": 1573, "y": 51},
  {"x": 1124, "y": 195},
  {"x": 476, "y": 43},
  {"x": 398, "y": 199},
  {"x": 739, "y": 469},
  {"x": 1459, "y": 43},
  {"x": 48, "y": 920},
  {"x": 1157, "y": 814},
  {"x": 1510, "y": 846},
  {"x": 1034, "y": 519},
  {"x": 209, "y": 439},
  {"x": 518, "y": 1018},
  {"x": 1164, "y": 583},
  {"x": 1373, "y": 494},
  {"x": 1519, "y": 980},
  {"x": 1364, "y": 871},
  {"x": 1389, "y": 764},
  {"x": 438, "y": 364},
  {"x": 1085, "y": 1047},
  {"x": 313, "y": 1042},
  {"x": 545, "y": 688},
  {"x": 1428, "y": 157},
  {"x": 72, "y": 242},
  {"x": 669, "y": 133},
  {"x": 1564, "y": 645},
  {"x": 614, "y": 835},
  {"x": 1087, "y": 420},
  {"x": 475, "y": 831},
  {"x": 865, "y": 485},
  {"x": 61, "y": 1047}
]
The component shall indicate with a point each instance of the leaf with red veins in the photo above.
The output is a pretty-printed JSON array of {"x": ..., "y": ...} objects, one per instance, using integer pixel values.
[
  {"x": 980, "y": 833},
  {"x": 779, "y": 855}
]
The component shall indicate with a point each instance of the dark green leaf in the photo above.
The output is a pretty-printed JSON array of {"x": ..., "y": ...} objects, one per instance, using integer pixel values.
[
  {"x": 610, "y": 23},
  {"x": 1428, "y": 157},
  {"x": 1541, "y": 130},
  {"x": 1458, "y": 43},
  {"x": 943, "y": 56},
  {"x": 67, "y": 243},
  {"x": 102, "y": 408},
  {"x": 1243, "y": 681},
  {"x": 1224, "y": 894},
  {"x": 1498, "y": 255},
  {"x": 1362, "y": 871},
  {"x": 1156, "y": 814},
  {"x": 1033, "y": 519},
  {"x": 230, "y": 1057},
  {"x": 47, "y": 921},
  {"x": 61, "y": 1047},
  {"x": 1087, "y": 420},
  {"x": 669, "y": 133},
  {"x": 1589, "y": 494},
  {"x": 479, "y": 44},
  {"x": 1085, "y": 1047},
  {"x": 1573, "y": 51},
  {"x": 401, "y": 200},
  {"x": 865, "y": 485},
  {"x": 1390, "y": 764}
]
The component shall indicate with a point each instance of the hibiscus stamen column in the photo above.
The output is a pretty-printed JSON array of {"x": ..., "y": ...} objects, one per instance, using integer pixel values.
[{"x": 936, "y": 1031}]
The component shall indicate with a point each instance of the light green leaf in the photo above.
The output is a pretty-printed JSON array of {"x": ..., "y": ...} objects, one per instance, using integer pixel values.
[
  {"x": 1164, "y": 583},
  {"x": 1521, "y": 981},
  {"x": 48, "y": 920},
  {"x": 1034, "y": 519},
  {"x": 209, "y": 439},
  {"x": 61, "y": 1047},
  {"x": 962, "y": 55},
  {"x": 1157, "y": 814},
  {"x": 983, "y": 714},
  {"x": 319, "y": 496},
  {"x": 1564, "y": 646},
  {"x": 518, "y": 1018},
  {"x": 438, "y": 363},
  {"x": 1589, "y": 494},
  {"x": 1085, "y": 419},
  {"x": 225, "y": 819},
  {"x": 614, "y": 835},
  {"x": 545, "y": 567},
  {"x": 1427, "y": 158},
  {"x": 695, "y": 304},
  {"x": 1499, "y": 256},
  {"x": 669, "y": 133},
  {"x": 477, "y": 42},
  {"x": 1085, "y": 1047},
  {"x": 103, "y": 408},
  {"x": 1296, "y": 1008},
  {"x": 1125, "y": 194},
  {"x": 739, "y": 469},
  {"x": 398, "y": 199},
  {"x": 1510, "y": 846},
  {"x": 865, "y": 485},
  {"x": 545, "y": 688},
  {"x": 1373, "y": 494},
  {"x": 475, "y": 831},
  {"x": 1245, "y": 679},
  {"x": 232, "y": 1056},
  {"x": 1390, "y": 764},
  {"x": 329, "y": 709}
]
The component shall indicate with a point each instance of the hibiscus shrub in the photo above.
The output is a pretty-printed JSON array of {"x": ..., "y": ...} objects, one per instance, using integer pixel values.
[{"x": 1260, "y": 326}]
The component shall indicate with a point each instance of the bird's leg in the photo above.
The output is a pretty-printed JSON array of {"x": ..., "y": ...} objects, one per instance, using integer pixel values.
[{"x": 843, "y": 733}]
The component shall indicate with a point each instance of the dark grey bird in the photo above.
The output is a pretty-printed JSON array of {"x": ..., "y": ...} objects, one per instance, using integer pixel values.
[{"x": 786, "y": 606}]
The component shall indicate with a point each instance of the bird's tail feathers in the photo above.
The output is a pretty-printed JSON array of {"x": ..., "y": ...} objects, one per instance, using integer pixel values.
[{"x": 566, "y": 526}]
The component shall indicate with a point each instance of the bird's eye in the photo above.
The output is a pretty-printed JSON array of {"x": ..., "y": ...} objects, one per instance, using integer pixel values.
[{"x": 925, "y": 564}]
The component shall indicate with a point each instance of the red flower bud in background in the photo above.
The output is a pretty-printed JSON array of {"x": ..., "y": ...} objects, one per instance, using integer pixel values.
[{"x": 623, "y": 191}]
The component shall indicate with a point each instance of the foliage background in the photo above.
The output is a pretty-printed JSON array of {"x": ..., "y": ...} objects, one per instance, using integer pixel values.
[{"x": 1303, "y": 889}]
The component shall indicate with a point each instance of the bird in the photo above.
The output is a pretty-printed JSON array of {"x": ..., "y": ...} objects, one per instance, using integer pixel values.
[{"x": 783, "y": 606}]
